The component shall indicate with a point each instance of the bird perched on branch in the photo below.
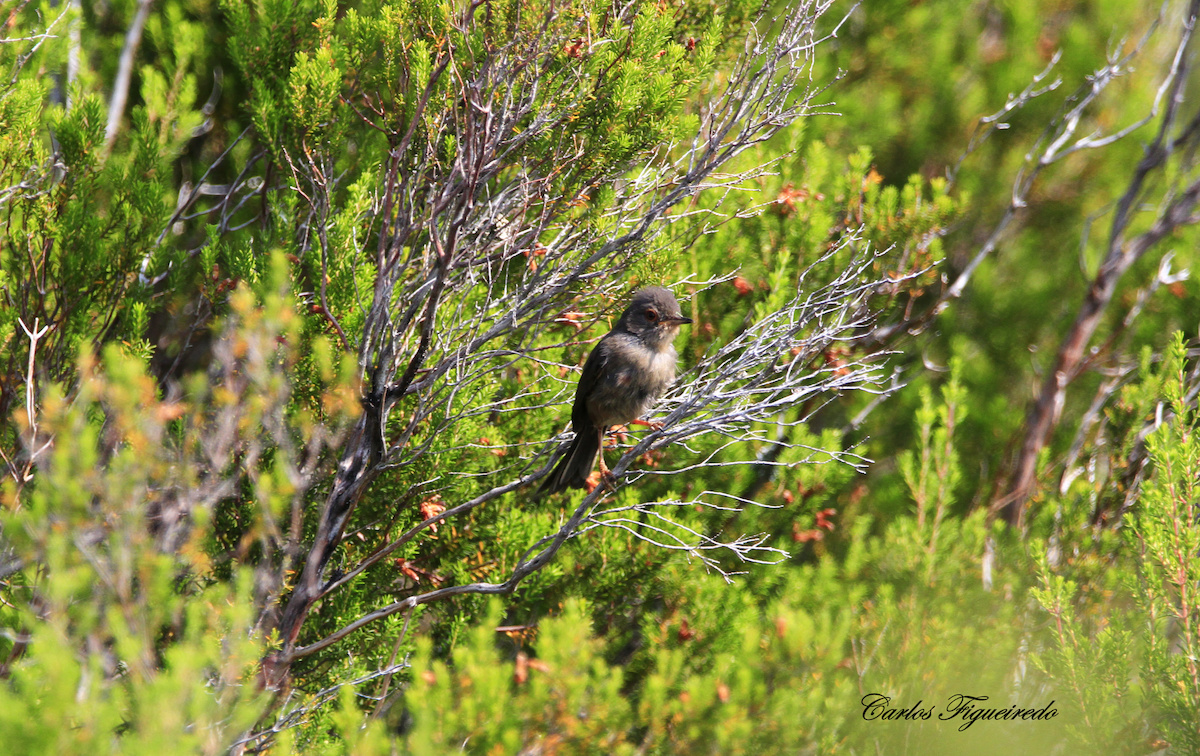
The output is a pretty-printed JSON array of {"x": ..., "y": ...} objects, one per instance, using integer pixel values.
[{"x": 631, "y": 367}]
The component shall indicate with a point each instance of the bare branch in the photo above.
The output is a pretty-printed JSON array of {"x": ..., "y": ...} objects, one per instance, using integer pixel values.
[{"x": 116, "y": 104}]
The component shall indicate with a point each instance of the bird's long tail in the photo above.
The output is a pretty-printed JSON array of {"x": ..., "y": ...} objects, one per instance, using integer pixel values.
[{"x": 573, "y": 469}]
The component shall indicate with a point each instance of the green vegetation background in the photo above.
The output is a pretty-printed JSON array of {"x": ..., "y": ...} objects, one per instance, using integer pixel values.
[{"x": 113, "y": 644}]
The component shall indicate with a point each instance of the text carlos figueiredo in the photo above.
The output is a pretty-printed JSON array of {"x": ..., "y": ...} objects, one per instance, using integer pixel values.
[{"x": 968, "y": 709}]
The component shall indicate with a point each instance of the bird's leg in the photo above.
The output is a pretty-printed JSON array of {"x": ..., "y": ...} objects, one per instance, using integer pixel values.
[
  {"x": 652, "y": 425},
  {"x": 601, "y": 477},
  {"x": 606, "y": 477},
  {"x": 620, "y": 429},
  {"x": 605, "y": 473}
]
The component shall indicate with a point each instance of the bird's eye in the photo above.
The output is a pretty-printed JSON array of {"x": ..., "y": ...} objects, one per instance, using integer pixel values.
[{"x": 651, "y": 315}]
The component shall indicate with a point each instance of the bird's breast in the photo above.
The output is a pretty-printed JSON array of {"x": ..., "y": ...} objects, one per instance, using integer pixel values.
[{"x": 635, "y": 375}]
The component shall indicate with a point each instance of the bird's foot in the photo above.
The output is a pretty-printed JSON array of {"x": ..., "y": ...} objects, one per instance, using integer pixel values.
[
  {"x": 651, "y": 424},
  {"x": 597, "y": 478},
  {"x": 601, "y": 477},
  {"x": 610, "y": 480}
]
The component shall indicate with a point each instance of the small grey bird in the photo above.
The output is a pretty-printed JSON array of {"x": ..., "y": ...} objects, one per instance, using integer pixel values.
[{"x": 630, "y": 368}]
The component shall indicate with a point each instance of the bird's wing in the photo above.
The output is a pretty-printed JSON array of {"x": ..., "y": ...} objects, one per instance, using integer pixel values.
[{"x": 593, "y": 370}]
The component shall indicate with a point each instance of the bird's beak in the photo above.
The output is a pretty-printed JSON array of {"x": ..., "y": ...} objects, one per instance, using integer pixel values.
[{"x": 670, "y": 320}]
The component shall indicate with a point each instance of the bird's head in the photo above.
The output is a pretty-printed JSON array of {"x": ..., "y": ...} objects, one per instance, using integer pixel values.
[{"x": 653, "y": 316}]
